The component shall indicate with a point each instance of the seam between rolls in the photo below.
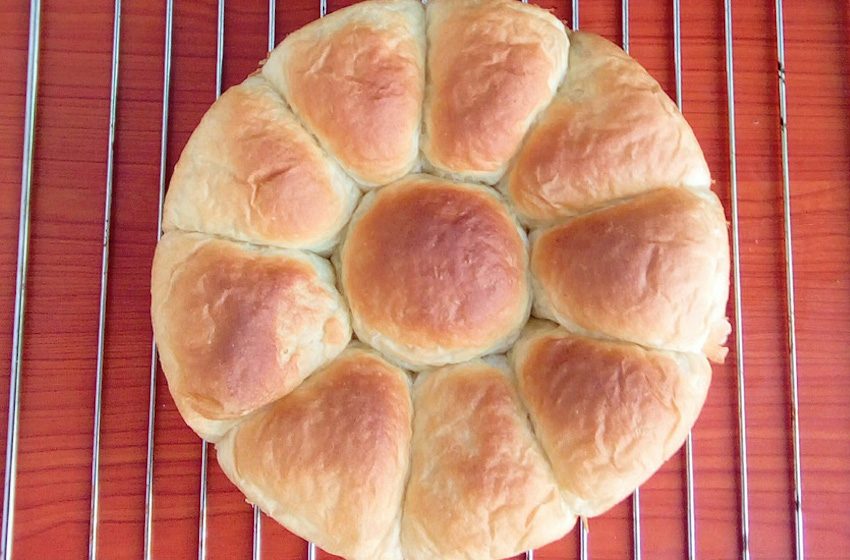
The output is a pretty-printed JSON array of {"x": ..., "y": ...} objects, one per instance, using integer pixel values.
[
  {"x": 572, "y": 328},
  {"x": 409, "y": 472},
  {"x": 502, "y": 184},
  {"x": 532, "y": 428},
  {"x": 701, "y": 192},
  {"x": 424, "y": 164}
]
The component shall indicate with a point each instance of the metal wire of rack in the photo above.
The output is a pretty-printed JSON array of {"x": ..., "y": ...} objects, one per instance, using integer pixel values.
[
  {"x": 6, "y": 539},
  {"x": 11, "y": 472}
]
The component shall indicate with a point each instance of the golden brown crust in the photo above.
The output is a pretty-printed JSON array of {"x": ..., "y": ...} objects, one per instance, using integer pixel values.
[
  {"x": 608, "y": 413},
  {"x": 654, "y": 271},
  {"x": 329, "y": 461},
  {"x": 356, "y": 78},
  {"x": 634, "y": 266},
  {"x": 479, "y": 485},
  {"x": 492, "y": 66},
  {"x": 238, "y": 326},
  {"x": 610, "y": 133},
  {"x": 251, "y": 172},
  {"x": 435, "y": 272}
]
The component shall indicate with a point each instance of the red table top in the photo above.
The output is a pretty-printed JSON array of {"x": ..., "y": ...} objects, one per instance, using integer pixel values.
[{"x": 61, "y": 321}]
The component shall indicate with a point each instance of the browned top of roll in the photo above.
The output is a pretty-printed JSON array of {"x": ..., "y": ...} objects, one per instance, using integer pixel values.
[
  {"x": 611, "y": 132},
  {"x": 329, "y": 461},
  {"x": 238, "y": 326},
  {"x": 492, "y": 65},
  {"x": 479, "y": 485},
  {"x": 435, "y": 272},
  {"x": 653, "y": 271},
  {"x": 251, "y": 172},
  {"x": 357, "y": 78},
  {"x": 608, "y": 414}
]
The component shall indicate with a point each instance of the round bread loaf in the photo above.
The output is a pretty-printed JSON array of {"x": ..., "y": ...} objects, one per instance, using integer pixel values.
[
  {"x": 435, "y": 272},
  {"x": 517, "y": 123}
]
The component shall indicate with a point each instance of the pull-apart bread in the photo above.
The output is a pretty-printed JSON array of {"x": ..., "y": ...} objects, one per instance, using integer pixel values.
[{"x": 438, "y": 279}]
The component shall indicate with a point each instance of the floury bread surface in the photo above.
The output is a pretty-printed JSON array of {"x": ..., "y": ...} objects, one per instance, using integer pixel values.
[
  {"x": 493, "y": 65},
  {"x": 251, "y": 172},
  {"x": 608, "y": 413},
  {"x": 610, "y": 133},
  {"x": 653, "y": 270}
]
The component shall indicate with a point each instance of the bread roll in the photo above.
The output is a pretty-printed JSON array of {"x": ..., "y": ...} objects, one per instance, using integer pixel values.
[
  {"x": 238, "y": 326},
  {"x": 435, "y": 272},
  {"x": 654, "y": 271},
  {"x": 329, "y": 461},
  {"x": 608, "y": 413},
  {"x": 251, "y": 172},
  {"x": 356, "y": 78},
  {"x": 492, "y": 66},
  {"x": 480, "y": 486},
  {"x": 610, "y": 133}
]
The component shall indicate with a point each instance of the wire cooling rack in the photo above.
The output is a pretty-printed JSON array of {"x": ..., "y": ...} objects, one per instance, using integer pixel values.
[{"x": 99, "y": 463}]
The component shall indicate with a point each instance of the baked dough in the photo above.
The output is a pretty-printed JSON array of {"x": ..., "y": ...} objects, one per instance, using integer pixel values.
[
  {"x": 435, "y": 272},
  {"x": 654, "y": 271},
  {"x": 492, "y": 66},
  {"x": 356, "y": 78},
  {"x": 239, "y": 326},
  {"x": 503, "y": 120},
  {"x": 608, "y": 413},
  {"x": 610, "y": 133},
  {"x": 251, "y": 172},
  {"x": 330, "y": 460},
  {"x": 480, "y": 486}
]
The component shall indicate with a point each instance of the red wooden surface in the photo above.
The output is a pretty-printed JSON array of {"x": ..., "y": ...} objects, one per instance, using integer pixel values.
[{"x": 60, "y": 335}]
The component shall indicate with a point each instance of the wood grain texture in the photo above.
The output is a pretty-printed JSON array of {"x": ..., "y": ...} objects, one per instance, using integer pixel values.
[{"x": 60, "y": 336}]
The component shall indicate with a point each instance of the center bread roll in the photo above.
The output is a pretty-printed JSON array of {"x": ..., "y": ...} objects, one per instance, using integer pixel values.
[
  {"x": 435, "y": 272},
  {"x": 329, "y": 461},
  {"x": 480, "y": 486}
]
